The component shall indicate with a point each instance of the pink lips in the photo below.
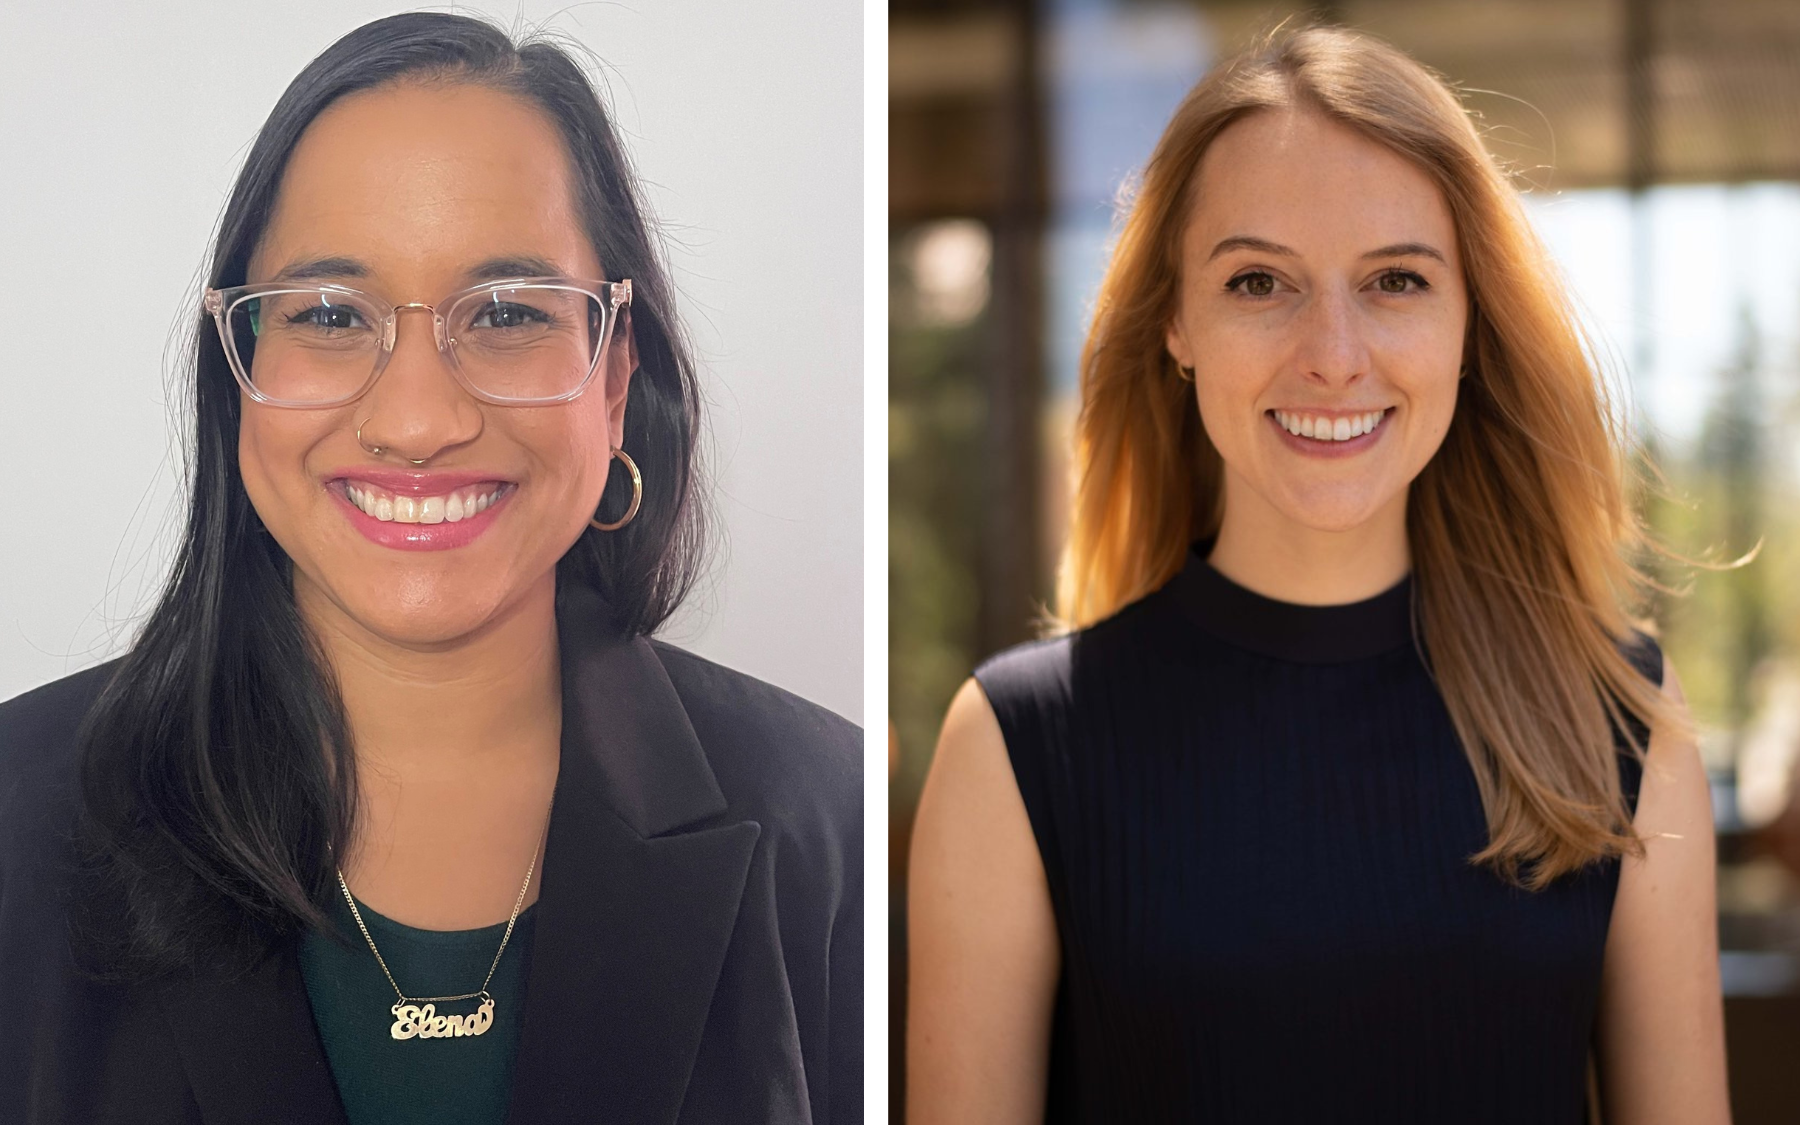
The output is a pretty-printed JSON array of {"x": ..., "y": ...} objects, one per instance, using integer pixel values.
[
  {"x": 1327, "y": 449},
  {"x": 420, "y": 536}
]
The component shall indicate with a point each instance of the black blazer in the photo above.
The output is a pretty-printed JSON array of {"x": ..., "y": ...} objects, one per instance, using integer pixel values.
[{"x": 697, "y": 957}]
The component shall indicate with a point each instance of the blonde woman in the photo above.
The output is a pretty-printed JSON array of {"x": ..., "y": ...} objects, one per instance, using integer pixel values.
[{"x": 1350, "y": 793}]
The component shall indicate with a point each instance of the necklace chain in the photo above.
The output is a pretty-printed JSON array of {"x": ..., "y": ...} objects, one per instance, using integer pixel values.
[{"x": 482, "y": 992}]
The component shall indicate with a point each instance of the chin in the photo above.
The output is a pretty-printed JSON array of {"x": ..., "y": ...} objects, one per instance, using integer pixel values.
[
  {"x": 424, "y": 629},
  {"x": 419, "y": 613},
  {"x": 1333, "y": 513}
]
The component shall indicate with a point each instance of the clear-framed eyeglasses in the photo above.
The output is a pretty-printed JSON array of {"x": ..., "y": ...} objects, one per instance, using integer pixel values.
[{"x": 524, "y": 341}]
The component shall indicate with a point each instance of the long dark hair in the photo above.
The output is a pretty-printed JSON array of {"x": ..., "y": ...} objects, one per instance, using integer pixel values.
[{"x": 217, "y": 779}]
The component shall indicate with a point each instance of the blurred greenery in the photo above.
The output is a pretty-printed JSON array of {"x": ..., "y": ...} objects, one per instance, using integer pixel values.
[
  {"x": 936, "y": 410},
  {"x": 1728, "y": 495}
]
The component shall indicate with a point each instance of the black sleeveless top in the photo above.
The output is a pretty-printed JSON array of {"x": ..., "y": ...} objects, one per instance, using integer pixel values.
[{"x": 1256, "y": 820}]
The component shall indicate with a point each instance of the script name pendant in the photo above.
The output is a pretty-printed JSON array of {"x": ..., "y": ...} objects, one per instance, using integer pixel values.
[{"x": 424, "y": 1022}]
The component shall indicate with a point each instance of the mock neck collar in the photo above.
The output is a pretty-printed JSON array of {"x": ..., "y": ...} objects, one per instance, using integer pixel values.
[{"x": 1302, "y": 634}]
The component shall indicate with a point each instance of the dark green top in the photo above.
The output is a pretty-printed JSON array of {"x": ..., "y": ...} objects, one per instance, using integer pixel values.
[{"x": 388, "y": 1081}]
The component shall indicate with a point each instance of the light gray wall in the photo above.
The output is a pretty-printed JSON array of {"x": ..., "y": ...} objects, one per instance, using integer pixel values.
[{"x": 123, "y": 125}]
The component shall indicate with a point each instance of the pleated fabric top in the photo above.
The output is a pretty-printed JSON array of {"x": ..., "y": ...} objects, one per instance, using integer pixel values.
[{"x": 1256, "y": 820}]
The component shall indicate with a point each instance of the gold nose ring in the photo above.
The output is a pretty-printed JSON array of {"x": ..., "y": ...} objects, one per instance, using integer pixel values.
[{"x": 377, "y": 451}]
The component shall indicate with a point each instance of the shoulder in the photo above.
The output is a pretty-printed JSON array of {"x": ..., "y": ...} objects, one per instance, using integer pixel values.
[
  {"x": 779, "y": 759},
  {"x": 1040, "y": 710},
  {"x": 1041, "y": 675},
  {"x": 45, "y": 717},
  {"x": 38, "y": 732},
  {"x": 37, "y": 738},
  {"x": 1644, "y": 654},
  {"x": 1034, "y": 668},
  {"x": 1028, "y": 687},
  {"x": 1034, "y": 687},
  {"x": 1634, "y": 741}
]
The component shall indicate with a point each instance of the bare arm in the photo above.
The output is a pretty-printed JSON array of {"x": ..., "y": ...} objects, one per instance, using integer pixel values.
[
  {"x": 984, "y": 954},
  {"x": 1662, "y": 1037}
]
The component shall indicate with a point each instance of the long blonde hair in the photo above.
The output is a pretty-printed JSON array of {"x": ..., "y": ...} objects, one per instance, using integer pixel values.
[{"x": 1524, "y": 544}]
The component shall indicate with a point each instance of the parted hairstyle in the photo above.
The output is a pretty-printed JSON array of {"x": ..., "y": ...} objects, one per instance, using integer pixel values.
[
  {"x": 217, "y": 778},
  {"x": 1526, "y": 551}
]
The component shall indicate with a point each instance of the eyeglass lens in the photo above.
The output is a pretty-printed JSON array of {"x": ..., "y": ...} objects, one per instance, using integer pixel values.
[{"x": 307, "y": 345}]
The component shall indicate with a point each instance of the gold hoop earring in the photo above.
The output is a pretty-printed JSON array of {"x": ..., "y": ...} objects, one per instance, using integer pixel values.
[
  {"x": 1185, "y": 374},
  {"x": 637, "y": 494}
]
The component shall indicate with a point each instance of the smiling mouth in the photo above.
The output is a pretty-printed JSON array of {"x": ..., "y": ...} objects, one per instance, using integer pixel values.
[
  {"x": 451, "y": 507},
  {"x": 1317, "y": 427}
]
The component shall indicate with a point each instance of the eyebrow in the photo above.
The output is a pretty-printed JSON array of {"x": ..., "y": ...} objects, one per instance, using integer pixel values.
[
  {"x": 1251, "y": 242},
  {"x": 527, "y": 266},
  {"x": 493, "y": 269},
  {"x": 321, "y": 269}
]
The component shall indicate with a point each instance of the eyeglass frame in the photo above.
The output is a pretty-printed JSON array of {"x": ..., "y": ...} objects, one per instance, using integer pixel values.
[{"x": 612, "y": 295}]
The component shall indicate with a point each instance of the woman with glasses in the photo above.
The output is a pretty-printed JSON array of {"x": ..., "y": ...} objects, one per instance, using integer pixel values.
[
  {"x": 394, "y": 812},
  {"x": 1350, "y": 793}
]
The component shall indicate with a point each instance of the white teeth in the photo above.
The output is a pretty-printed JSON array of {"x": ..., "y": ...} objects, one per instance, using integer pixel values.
[
  {"x": 421, "y": 509},
  {"x": 369, "y": 504},
  {"x": 1329, "y": 429}
]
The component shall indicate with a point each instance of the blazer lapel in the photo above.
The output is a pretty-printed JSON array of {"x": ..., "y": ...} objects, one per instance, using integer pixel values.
[
  {"x": 642, "y": 880},
  {"x": 249, "y": 1046}
]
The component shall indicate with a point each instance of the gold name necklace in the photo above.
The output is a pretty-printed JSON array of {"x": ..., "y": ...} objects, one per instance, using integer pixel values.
[{"x": 418, "y": 1015}]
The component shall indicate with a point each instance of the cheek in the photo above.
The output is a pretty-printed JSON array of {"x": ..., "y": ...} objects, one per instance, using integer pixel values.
[
  {"x": 272, "y": 454},
  {"x": 1214, "y": 404},
  {"x": 1432, "y": 401},
  {"x": 1230, "y": 377},
  {"x": 1434, "y": 379},
  {"x": 569, "y": 445}
]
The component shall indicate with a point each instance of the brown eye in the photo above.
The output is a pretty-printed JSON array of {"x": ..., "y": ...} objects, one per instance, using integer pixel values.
[
  {"x": 1396, "y": 281},
  {"x": 1257, "y": 284}
]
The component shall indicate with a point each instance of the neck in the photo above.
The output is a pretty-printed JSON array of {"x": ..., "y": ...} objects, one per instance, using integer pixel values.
[
  {"x": 1262, "y": 550},
  {"x": 456, "y": 707}
]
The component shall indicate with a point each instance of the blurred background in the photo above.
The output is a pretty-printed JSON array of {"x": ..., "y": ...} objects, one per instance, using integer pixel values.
[{"x": 1657, "y": 144}]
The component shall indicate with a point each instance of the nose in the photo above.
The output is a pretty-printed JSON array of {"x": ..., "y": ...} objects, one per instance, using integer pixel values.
[
  {"x": 1333, "y": 345},
  {"x": 416, "y": 408}
]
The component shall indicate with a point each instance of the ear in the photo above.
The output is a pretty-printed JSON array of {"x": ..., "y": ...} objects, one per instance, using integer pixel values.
[
  {"x": 1176, "y": 343},
  {"x": 621, "y": 364}
]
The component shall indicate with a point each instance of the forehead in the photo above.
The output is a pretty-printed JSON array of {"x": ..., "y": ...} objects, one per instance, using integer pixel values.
[
  {"x": 1297, "y": 178},
  {"x": 420, "y": 181}
]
